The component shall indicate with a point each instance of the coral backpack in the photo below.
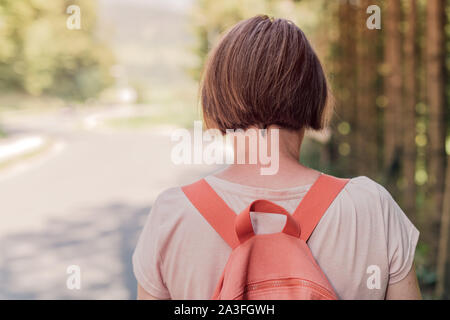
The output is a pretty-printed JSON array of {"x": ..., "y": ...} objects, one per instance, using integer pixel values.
[{"x": 269, "y": 266}]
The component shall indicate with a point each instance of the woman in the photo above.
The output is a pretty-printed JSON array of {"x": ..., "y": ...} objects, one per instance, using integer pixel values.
[{"x": 264, "y": 75}]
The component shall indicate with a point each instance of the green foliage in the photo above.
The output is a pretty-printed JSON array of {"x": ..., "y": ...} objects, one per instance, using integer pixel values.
[
  {"x": 40, "y": 55},
  {"x": 447, "y": 31},
  {"x": 210, "y": 19},
  {"x": 426, "y": 275}
]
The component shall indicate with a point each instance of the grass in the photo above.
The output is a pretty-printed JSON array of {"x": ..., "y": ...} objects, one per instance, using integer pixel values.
[
  {"x": 183, "y": 119},
  {"x": 27, "y": 103},
  {"x": 26, "y": 156},
  {"x": 174, "y": 105},
  {"x": 166, "y": 106}
]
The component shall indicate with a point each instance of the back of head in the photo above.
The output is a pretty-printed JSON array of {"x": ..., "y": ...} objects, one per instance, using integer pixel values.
[{"x": 264, "y": 72}]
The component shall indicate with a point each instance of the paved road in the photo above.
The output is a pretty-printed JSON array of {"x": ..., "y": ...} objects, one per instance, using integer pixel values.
[{"x": 84, "y": 206}]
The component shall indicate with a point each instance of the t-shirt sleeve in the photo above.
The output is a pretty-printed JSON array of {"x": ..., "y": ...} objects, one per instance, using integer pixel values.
[
  {"x": 402, "y": 237},
  {"x": 147, "y": 261}
]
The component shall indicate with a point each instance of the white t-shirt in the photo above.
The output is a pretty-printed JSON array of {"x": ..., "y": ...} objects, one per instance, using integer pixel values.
[{"x": 363, "y": 237}]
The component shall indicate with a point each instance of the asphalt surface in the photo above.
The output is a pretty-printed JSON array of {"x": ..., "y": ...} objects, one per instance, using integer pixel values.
[{"x": 83, "y": 205}]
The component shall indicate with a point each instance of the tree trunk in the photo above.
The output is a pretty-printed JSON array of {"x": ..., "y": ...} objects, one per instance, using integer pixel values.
[
  {"x": 409, "y": 114},
  {"x": 443, "y": 238},
  {"x": 393, "y": 87},
  {"x": 436, "y": 118},
  {"x": 366, "y": 109},
  {"x": 346, "y": 81}
]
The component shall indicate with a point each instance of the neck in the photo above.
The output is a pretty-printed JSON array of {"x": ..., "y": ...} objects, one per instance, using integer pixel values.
[{"x": 287, "y": 172}]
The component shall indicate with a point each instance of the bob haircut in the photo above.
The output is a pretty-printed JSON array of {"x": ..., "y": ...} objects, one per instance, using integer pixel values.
[{"x": 264, "y": 72}]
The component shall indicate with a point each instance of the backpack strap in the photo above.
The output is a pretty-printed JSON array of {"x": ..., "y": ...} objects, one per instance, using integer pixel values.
[
  {"x": 316, "y": 202},
  {"x": 218, "y": 214}
]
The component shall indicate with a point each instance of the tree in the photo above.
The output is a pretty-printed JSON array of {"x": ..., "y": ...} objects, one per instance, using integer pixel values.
[
  {"x": 444, "y": 235},
  {"x": 366, "y": 145},
  {"x": 393, "y": 128},
  {"x": 435, "y": 66},
  {"x": 409, "y": 114},
  {"x": 344, "y": 84},
  {"x": 40, "y": 55}
]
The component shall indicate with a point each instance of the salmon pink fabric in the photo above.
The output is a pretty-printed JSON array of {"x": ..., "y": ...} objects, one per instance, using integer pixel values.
[
  {"x": 275, "y": 266},
  {"x": 180, "y": 256}
]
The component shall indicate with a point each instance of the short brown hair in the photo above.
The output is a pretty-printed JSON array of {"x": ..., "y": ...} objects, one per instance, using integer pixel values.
[{"x": 264, "y": 72}]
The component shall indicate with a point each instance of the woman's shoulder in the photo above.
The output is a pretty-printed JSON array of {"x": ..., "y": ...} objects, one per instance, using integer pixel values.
[
  {"x": 171, "y": 198},
  {"x": 360, "y": 188},
  {"x": 366, "y": 194},
  {"x": 367, "y": 200},
  {"x": 170, "y": 195},
  {"x": 360, "y": 192},
  {"x": 364, "y": 188},
  {"x": 169, "y": 205}
]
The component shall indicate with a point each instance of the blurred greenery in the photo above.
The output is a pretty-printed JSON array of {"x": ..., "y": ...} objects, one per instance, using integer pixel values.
[
  {"x": 39, "y": 55},
  {"x": 211, "y": 18},
  {"x": 158, "y": 115}
]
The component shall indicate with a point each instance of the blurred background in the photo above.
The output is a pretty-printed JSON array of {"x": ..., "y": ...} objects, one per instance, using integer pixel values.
[{"x": 87, "y": 110}]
